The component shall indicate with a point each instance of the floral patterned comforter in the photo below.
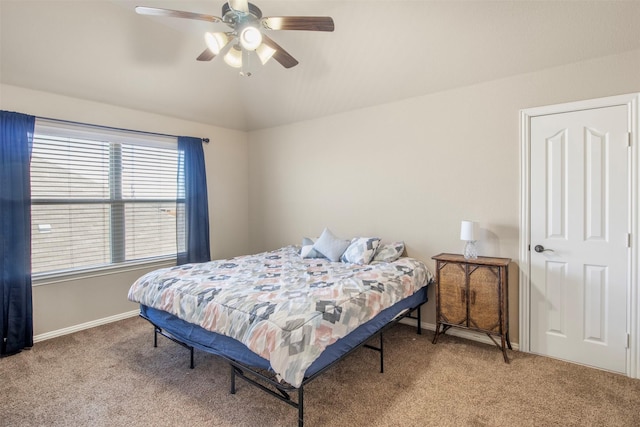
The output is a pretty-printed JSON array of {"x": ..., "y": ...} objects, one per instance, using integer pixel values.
[{"x": 284, "y": 308}]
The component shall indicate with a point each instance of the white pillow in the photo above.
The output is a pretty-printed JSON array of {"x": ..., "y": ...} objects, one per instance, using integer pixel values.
[
  {"x": 330, "y": 246},
  {"x": 307, "y": 250},
  {"x": 361, "y": 250},
  {"x": 389, "y": 252}
]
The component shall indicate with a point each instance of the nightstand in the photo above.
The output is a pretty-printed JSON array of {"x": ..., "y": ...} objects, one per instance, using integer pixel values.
[{"x": 473, "y": 294}]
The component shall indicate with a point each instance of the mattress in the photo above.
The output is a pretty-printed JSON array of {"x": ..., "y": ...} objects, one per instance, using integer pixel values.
[
  {"x": 230, "y": 348},
  {"x": 284, "y": 309}
]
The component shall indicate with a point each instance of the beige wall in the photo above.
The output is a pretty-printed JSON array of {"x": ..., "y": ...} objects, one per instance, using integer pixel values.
[
  {"x": 412, "y": 170},
  {"x": 69, "y": 303}
]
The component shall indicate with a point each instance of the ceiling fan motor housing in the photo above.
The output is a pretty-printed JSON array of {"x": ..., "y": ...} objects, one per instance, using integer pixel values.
[{"x": 230, "y": 15}]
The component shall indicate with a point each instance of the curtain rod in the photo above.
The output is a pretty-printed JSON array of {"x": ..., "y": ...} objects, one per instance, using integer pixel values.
[{"x": 205, "y": 140}]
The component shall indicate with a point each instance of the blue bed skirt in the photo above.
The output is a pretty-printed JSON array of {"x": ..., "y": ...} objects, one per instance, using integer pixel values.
[{"x": 230, "y": 348}]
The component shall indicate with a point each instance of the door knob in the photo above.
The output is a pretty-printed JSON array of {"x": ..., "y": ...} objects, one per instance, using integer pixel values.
[{"x": 540, "y": 249}]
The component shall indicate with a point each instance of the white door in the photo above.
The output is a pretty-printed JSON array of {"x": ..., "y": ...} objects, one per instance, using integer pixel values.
[{"x": 579, "y": 236}]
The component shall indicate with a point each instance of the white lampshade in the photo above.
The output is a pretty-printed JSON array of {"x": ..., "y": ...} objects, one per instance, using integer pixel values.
[
  {"x": 216, "y": 41},
  {"x": 265, "y": 53},
  {"x": 250, "y": 38},
  {"x": 233, "y": 58},
  {"x": 468, "y": 231}
]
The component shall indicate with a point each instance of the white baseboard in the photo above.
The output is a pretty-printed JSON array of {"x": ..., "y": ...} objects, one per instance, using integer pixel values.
[
  {"x": 459, "y": 332},
  {"x": 83, "y": 326}
]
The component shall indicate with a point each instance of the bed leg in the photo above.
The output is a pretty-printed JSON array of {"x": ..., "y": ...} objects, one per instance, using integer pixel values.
[
  {"x": 300, "y": 407},
  {"x": 381, "y": 355},
  {"x": 419, "y": 321},
  {"x": 232, "y": 390},
  {"x": 155, "y": 337},
  {"x": 192, "y": 364}
]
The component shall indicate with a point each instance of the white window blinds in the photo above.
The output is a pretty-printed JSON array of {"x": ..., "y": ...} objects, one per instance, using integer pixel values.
[{"x": 100, "y": 197}]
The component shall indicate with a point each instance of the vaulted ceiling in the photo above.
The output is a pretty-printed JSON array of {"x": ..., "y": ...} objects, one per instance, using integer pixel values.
[{"x": 380, "y": 52}]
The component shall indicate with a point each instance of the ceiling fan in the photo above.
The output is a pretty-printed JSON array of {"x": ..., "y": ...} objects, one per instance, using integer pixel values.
[{"x": 243, "y": 35}]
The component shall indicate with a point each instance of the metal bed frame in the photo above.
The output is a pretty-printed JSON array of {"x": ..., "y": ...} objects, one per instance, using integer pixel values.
[{"x": 284, "y": 391}]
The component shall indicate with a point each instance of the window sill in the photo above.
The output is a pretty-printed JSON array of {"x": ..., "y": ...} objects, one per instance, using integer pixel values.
[{"x": 67, "y": 276}]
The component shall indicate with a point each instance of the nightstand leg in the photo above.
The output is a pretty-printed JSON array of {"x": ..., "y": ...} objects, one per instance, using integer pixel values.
[
  {"x": 504, "y": 349},
  {"x": 435, "y": 337},
  {"x": 440, "y": 330}
]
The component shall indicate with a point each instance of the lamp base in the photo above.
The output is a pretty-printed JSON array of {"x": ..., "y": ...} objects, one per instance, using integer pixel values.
[{"x": 470, "y": 251}]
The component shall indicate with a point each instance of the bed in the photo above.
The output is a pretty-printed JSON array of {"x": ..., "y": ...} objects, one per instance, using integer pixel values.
[{"x": 279, "y": 318}]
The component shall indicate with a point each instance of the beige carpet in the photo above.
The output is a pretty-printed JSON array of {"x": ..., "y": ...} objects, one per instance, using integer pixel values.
[{"x": 113, "y": 376}]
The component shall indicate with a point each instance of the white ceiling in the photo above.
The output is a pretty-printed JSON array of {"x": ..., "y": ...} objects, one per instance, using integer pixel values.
[{"x": 381, "y": 51}]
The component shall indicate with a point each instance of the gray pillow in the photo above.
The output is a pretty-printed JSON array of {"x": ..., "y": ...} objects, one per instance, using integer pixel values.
[
  {"x": 330, "y": 246},
  {"x": 307, "y": 250},
  {"x": 389, "y": 252},
  {"x": 361, "y": 250}
]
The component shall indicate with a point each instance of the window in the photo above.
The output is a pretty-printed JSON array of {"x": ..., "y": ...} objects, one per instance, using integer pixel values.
[{"x": 100, "y": 197}]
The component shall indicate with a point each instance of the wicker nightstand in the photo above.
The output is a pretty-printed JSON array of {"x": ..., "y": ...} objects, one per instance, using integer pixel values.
[{"x": 473, "y": 294}]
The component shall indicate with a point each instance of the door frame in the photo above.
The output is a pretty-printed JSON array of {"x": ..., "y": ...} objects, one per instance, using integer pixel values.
[{"x": 632, "y": 102}]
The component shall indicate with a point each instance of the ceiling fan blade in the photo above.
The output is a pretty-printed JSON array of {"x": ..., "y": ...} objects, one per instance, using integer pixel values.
[
  {"x": 305, "y": 23},
  {"x": 281, "y": 55},
  {"x": 207, "y": 55},
  {"x": 154, "y": 11},
  {"x": 239, "y": 5}
]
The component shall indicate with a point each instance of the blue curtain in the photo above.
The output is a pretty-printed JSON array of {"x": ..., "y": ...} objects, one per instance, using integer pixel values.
[
  {"x": 16, "y": 141},
  {"x": 192, "y": 219}
]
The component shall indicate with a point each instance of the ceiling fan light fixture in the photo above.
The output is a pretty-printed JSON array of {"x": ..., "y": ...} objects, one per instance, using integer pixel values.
[
  {"x": 216, "y": 41},
  {"x": 265, "y": 53},
  {"x": 250, "y": 38},
  {"x": 233, "y": 58},
  {"x": 244, "y": 34}
]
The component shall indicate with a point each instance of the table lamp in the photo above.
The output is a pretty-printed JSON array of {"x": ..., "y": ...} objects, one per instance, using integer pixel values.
[{"x": 467, "y": 233}]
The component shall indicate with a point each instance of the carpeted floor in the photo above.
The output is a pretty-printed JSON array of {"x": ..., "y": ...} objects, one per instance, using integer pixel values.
[{"x": 113, "y": 376}]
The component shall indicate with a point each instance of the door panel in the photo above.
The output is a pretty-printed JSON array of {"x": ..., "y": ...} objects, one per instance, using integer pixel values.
[
  {"x": 579, "y": 215},
  {"x": 484, "y": 302},
  {"x": 596, "y": 295},
  {"x": 555, "y": 292},
  {"x": 453, "y": 296}
]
